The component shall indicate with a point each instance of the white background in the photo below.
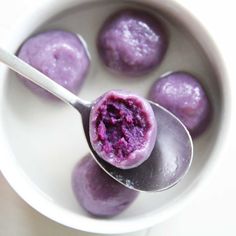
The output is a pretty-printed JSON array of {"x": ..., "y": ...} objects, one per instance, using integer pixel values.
[{"x": 212, "y": 212}]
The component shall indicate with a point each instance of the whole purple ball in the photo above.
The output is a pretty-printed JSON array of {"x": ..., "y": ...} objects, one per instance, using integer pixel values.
[
  {"x": 122, "y": 129},
  {"x": 58, "y": 54},
  {"x": 132, "y": 42},
  {"x": 183, "y": 95},
  {"x": 97, "y": 192}
]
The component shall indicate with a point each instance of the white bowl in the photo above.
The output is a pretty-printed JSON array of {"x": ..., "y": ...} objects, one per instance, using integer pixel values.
[{"x": 41, "y": 141}]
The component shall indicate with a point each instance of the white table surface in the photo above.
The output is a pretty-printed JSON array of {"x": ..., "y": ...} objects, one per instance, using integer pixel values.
[{"x": 212, "y": 211}]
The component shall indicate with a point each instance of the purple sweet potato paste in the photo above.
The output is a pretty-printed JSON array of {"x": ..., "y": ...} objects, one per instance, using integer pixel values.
[
  {"x": 182, "y": 94},
  {"x": 122, "y": 129},
  {"x": 97, "y": 192},
  {"x": 132, "y": 42},
  {"x": 58, "y": 54}
]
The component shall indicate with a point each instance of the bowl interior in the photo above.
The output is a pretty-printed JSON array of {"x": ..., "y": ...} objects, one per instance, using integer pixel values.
[{"x": 46, "y": 137}]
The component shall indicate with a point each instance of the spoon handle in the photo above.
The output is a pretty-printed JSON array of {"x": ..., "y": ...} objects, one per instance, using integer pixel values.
[{"x": 40, "y": 79}]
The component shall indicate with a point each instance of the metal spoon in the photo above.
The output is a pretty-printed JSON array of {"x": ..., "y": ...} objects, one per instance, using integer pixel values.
[{"x": 170, "y": 159}]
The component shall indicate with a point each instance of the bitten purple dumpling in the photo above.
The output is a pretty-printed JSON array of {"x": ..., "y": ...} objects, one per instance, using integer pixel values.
[
  {"x": 132, "y": 42},
  {"x": 97, "y": 192},
  {"x": 123, "y": 129},
  {"x": 58, "y": 54},
  {"x": 183, "y": 95}
]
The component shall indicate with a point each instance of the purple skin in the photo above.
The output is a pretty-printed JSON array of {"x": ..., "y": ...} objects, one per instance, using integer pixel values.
[
  {"x": 58, "y": 54},
  {"x": 132, "y": 42},
  {"x": 97, "y": 192},
  {"x": 123, "y": 129},
  {"x": 183, "y": 95}
]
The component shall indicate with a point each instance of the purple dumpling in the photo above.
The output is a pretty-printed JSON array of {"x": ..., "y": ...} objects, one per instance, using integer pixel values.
[
  {"x": 182, "y": 94},
  {"x": 122, "y": 129},
  {"x": 97, "y": 192},
  {"x": 132, "y": 42},
  {"x": 58, "y": 54}
]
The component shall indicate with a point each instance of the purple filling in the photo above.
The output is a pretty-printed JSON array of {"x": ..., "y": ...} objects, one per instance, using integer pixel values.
[
  {"x": 58, "y": 54},
  {"x": 182, "y": 94},
  {"x": 122, "y": 129},
  {"x": 132, "y": 42},
  {"x": 97, "y": 192}
]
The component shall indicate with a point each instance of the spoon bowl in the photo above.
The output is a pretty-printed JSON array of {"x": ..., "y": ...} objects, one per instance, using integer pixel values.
[{"x": 170, "y": 158}]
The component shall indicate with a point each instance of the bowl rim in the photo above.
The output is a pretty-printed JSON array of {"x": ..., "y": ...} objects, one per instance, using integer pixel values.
[{"x": 32, "y": 195}]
